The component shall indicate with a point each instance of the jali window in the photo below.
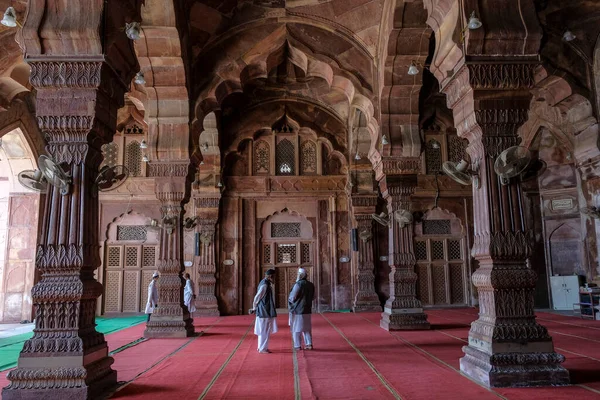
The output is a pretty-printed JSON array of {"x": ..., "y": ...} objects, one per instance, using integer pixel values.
[{"x": 285, "y": 158}]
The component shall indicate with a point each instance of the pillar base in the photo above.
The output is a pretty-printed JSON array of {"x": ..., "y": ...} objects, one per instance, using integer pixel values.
[
  {"x": 207, "y": 312},
  {"x": 96, "y": 380},
  {"x": 514, "y": 369},
  {"x": 404, "y": 320},
  {"x": 162, "y": 327},
  {"x": 366, "y": 303}
]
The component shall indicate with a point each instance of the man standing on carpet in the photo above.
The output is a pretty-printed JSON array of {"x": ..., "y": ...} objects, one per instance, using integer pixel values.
[
  {"x": 152, "y": 295},
  {"x": 264, "y": 307},
  {"x": 300, "y": 307},
  {"x": 188, "y": 294}
]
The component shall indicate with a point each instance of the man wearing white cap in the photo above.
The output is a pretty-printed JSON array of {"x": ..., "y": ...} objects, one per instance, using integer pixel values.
[
  {"x": 152, "y": 295},
  {"x": 300, "y": 306},
  {"x": 266, "y": 313}
]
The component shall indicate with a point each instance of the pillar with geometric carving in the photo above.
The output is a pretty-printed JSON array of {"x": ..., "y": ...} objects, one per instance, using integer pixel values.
[
  {"x": 77, "y": 105},
  {"x": 507, "y": 347},
  {"x": 170, "y": 318},
  {"x": 207, "y": 209},
  {"x": 366, "y": 298},
  {"x": 403, "y": 310}
]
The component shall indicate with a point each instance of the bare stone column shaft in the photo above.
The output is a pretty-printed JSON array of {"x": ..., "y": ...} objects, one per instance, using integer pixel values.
[
  {"x": 67, "y": 358},
  {"x": 207, "y": 209},
  {"x": 507, "y": 347},
  {"x": 402, "y": 310},
  {"x": 366, "y": 298},
  {"x": 171, "y": 318}
]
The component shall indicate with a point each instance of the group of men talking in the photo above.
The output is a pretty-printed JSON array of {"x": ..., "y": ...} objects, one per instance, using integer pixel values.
[{"x": 299, "y": 305}]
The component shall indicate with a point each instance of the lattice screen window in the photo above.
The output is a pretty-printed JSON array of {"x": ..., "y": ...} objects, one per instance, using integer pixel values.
[
  {"x": 308, "y": 158},
  {"x": 111, "y": 154},
  {"x": 436, "y": 227},
  {"x": 131, "y": 256},
  {"x": 148, "y": 256},
  {"x": 267, "y": 254},
  {"x": 456, "y": 148},
  {"x": 305, "y": 252},
  {"x": 285, "y": 158},
  {"x": 433, "y": 157},
  {"x": 438, "y": 278},
  {"x": 133, "y": 158},
  {"x": 457, "y": 287},
  {"x": 262, "y": 158},
  {"x": 420, "y": 250},
  {"x": 437, "y": 250},
  {"x": 286, "y": 254},
  {"x": 423, "y": 283},
  {"x": 454, "y": 250},
  {"x": 114, "y": 256},
  {"x": 131, "y": 232},
  {"x": 285, "y": 229}
]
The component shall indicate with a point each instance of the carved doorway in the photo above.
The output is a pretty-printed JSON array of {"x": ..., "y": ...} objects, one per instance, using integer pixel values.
[
  {"x": 441, "y": 254},
  {"x": 131, "y": 252},
  {"x": 287, "y": 244}
]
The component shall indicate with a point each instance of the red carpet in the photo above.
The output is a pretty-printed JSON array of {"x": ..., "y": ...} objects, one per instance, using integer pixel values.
[{"x": 353, "y": 359}]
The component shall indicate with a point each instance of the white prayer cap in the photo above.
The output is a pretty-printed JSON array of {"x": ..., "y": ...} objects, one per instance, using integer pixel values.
[
  {"x": 155, "y": 275},
  {"x": 302, "y": 271}
]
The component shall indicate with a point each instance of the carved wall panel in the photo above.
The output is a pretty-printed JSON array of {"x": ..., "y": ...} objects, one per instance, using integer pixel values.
[
  {"x": 133, "y": 158},
  {"x": 111, "y": 154},
  {"x": 262, "y": 158},
  {"x": 308, "y": 158}
]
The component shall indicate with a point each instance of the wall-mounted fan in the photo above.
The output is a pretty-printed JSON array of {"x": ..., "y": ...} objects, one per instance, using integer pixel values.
[
  {"x": 403, "y": 217},
  {"x": 382, "y": 218},
  {"x": 593, "y": 212},
  {"x": 190, "y": 223},
  {"x": 49, "y": 172},
  {"x": 168, "y": 224},
  {"x": 512, "y": 162},
  {"x": 460, "y": 173},
  {"x": 110, "y": 178},
  {"x": 33, "y": 180}
]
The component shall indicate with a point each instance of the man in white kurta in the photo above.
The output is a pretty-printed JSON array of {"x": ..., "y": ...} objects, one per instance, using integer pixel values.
[
  {"x": 300, "y": 307},
  {"x": 152, "y": 302},
  {"x": 266, "y": 314},
  {"x": 188, "y": 294}
]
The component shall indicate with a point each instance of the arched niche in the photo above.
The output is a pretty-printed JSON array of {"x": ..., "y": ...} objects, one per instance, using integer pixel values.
[{"x": 565, "y": 249}]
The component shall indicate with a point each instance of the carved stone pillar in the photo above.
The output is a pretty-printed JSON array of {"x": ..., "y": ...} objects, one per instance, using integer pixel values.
[
  {"x": 207, "y": 209},
  {"x": 366, "y": 298},
  {"x": 507, "y": 347},
  {"x": 402, "y": 310},
  {"x": 77, "y": 104},
  {"x": 171, "y": 318}
]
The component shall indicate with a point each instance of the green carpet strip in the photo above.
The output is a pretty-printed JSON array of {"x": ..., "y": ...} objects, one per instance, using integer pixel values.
[{"x": 10, "y": 347}]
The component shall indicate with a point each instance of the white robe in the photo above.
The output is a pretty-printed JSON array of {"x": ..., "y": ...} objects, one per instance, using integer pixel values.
[
  {"x": 152, "y": 297},
  {"x": 188, "y": 295},
  {"x": 264, "y": 326}
]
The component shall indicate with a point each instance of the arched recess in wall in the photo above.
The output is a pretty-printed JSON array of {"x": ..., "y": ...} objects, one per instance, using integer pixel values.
[
  {"x": 130, "y": 252},
  {"x": 565, "y": 249},
  {"x": 442, "y": 259},
  {"x": 287, "y": 243}
]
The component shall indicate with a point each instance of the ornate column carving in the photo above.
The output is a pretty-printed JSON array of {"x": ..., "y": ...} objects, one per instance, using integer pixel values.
[
  {"x": 207, "y": 210},
  {"x": 171, "y": 318},
  {"x": 366, "y": 298},
  {"x": 507, "y": 347},
  {"x": 77, "y": 104},
  {"x": 402, "y": 310}
]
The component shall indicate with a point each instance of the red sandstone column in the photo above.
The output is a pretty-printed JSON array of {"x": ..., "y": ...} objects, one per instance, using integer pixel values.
[
  {"x": 207, "y": 209},
  {"x": 171, "y": 318},
  {"x": 366, "y": 298},
  {"x": 507, "y": 347},
  {"x": 402, "y": 310},
  {"x": 67, "y": 358}
]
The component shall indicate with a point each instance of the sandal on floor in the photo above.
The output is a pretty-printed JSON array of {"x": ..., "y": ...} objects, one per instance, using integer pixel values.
[
  {"x": 309, "y": 347},
  {"x": 265, "y": 352}
]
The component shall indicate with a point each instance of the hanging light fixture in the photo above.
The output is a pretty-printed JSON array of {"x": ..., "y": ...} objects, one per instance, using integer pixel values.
[
  {"x": 143, "y": 145},
  {"x": 145, "y": 158},
  {"x": 435, "y": 145},
  {"x": 132, "y": 30},
  {"x": 10, "y": 18},
  {"x": 413, "y": 70},
  {"x": 139, "y": 78},
  {"x": 201, "y": 162},
  {"x": 384, "y": 140},
  {"x": 357, "y": 156},
  {"x": 474, "y": 22},
  {"x": 568, "y": 36},
  {"x": 220, "y": 184}
]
